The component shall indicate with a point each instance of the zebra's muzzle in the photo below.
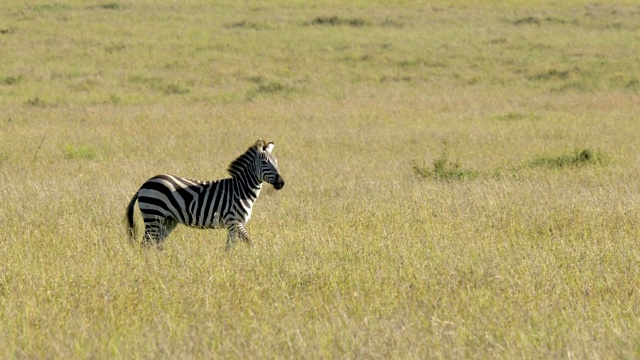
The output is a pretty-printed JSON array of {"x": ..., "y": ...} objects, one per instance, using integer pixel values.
[{"x": 279, "y": 183}]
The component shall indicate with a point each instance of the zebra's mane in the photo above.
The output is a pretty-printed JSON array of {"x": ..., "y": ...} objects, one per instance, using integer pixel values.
[{"x": 242, "y": 163}]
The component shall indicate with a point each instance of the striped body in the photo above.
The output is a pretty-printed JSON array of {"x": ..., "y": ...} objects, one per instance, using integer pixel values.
[{"x": 168, "y": 200}]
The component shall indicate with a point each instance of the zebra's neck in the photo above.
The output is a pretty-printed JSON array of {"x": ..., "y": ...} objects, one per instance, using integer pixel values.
[{"x": 247, "y": 186}]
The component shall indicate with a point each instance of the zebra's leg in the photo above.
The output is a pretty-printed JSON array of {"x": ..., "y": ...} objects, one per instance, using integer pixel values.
[
  {"x": 152, "y": 234},
  {"x": 244, "y": 235},
  {"x": 152, "y": 226},
  {"x": 236, "y": 230},
  {"x": 157, "y": 229},
  {"x": 231, "y": 239},
  {"x": 167, "y": 228}
]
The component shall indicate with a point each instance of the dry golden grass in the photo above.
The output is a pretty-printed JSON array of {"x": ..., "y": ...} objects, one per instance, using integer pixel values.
[{"x": 358, "y": 256}]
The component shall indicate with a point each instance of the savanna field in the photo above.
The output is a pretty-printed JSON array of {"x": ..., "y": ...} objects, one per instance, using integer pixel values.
[{"x": 462, "y": 178}]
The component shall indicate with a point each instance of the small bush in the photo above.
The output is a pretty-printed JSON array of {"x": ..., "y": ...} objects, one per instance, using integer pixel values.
[
  {"x": 577, "y": 158},
  {"x": 443, "y": 169}
]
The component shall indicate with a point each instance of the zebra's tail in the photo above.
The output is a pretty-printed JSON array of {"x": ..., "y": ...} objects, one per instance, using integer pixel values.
[{"x": 129, "y": 216}]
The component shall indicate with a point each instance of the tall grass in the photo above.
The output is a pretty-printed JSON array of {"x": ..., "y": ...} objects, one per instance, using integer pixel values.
[{"x": 357, "y": 257}]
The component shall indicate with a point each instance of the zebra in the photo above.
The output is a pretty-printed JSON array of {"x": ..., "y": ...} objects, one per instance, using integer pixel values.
[{"x": 168, "y": 200}]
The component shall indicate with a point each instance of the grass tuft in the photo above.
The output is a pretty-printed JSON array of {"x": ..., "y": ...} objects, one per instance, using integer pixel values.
[
  {"x": 392, "y": 23},
  {"x": 550, "y": 75},
  {"x": 625, "y": 81},
  {"x": 51, "y": 7},
  {"x": 443, "y": 169},
  {"x": 577, "y": 158},
  {"x": 529, "y": 20},
  {"x": 517, "y": 116},
  {"x": 270, "y": 87},
  {"x": 11, "y": 80},
  {"x": 115, "y": 48},
  {"x": 337, "y": 21},
  {"x": 36, "y": 101},
  {"x": 82, "y": 152},
  {"x": 175, "y": 89},
  {"x": 109, "y": 6},
  {"x": 244, "y": 24}
]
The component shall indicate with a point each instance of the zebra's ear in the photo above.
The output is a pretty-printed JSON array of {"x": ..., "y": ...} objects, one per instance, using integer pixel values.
[
  {"x": 260, "y": 145},
  {"x": 269, "y": 147}
]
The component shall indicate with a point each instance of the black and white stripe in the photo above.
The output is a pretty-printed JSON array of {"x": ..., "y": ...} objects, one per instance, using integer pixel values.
[{"x": 168, "y": 200}]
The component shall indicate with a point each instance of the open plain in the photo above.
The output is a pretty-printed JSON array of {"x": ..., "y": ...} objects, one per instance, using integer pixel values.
[{"x": 463, "y": 178}]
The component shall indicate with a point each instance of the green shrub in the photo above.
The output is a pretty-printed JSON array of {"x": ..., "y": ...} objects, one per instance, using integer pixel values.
[{"x": 443, "y": 169}]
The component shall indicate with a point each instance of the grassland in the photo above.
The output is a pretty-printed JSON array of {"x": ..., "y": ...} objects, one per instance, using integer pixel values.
[{"x": 463, "y": 179}]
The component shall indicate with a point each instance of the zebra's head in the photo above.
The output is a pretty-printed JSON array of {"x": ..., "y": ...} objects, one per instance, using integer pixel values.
[
  {"x": 267, "y": 165},
  {"x": 256, "y": 165}
]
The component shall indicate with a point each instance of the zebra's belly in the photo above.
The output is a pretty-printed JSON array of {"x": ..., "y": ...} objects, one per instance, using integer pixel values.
[
  {"x": 220, "y": 222},
  {"x": 215, "y": 222}
]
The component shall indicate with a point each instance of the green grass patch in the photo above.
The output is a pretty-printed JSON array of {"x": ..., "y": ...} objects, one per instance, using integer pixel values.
[
  {"x": 529, "y": 20},
  {"x": 246, "y": 24},
  {"x": 115, "y": 48},
  {"x": 159, "y": 84},
  {"x": 517, "y": 116},
  {"x": 109, "y": 6},
  {"x": 270, "y": 87},
  {"x": 443, "y": 168},
  {"x": 575, "y": 159},
  {"x": 36, "y": 101},
  {"x": 79, "y": 152},
  {"x": 152, "y": 81},
  {"x": 625, "y": 81},
  {"x": 175, "y": 89},
  {"x": 11, "y": 80},
  {"x": 337, "y": 21},
  {"x": 50, "y": 7},
  {"x": 550, "y": 74}
]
